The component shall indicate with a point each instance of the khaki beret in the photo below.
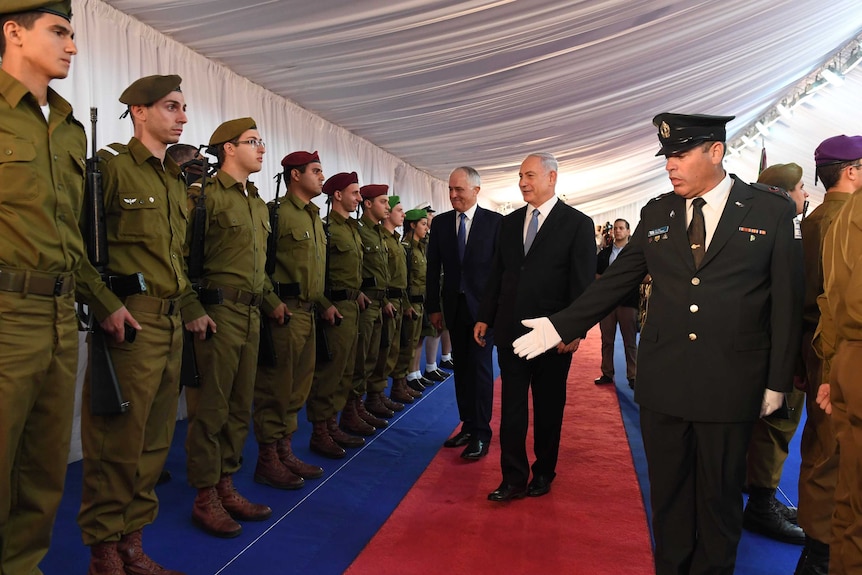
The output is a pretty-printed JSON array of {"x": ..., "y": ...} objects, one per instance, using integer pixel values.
[
  {"x": 62, "y": 9},
  {"x": 371, "y": 191},
  {"x": 339, "y": 182},
  {"x": 300, "y": 158},
  {"x": 150, "y": 89},
  {"x": 231, "y": 129},
  {"x": 784, "y": 176},
  {"x": 415, "y": 215},
  {"x": 394, "y": 201}
]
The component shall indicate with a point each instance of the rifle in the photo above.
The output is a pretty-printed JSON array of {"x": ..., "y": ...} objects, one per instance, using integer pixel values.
[
  {"x": 106, "y": 398},
  {"x": 266, "y": 353}
]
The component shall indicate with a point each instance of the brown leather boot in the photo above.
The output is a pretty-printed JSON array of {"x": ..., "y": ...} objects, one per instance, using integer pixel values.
[
  {"x": 240, "y": 508},
  {"x": 321, "y": 442},
  {"x": 351, "y": 422},
  {"x": 295, "y": 464},
  {"x": 374, "y": 404},
  {"x": 136, "y": 562},
  {"x": 368, "y": 418},
  {"x": 399, "y": 392},
  {"x": 391, "y": 404},
  {"x": 341, "y": 438},
  {"x": 104, "y": 559},
  {"x": 209, "y": 514},
  {"x": 271, "y": 471}
]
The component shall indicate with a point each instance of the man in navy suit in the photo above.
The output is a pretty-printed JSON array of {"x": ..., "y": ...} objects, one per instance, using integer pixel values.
[
  {"x": 545, "y": 258},
  {"x": 719, "y": 343},
  {"x": 462, "y": 245}
]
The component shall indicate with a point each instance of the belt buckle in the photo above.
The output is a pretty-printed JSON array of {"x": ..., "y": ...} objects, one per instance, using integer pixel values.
[{"x": 58, "y": 286}]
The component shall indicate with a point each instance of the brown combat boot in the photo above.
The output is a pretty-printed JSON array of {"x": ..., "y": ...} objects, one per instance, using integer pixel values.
[
  {"x": 271, "y": 471},
  {"x": 321, "y": 442},
  {"x": 390, "y": 403},
  {"x": 399, "y": 392},
  {"x": 240, "y": 508},
  {"x": 341, "y": 438},
  {"x": 295, "y": 464},
  {"x": 368, "y": 418},
  {"x": 209, "y": 514},
  {"x": 352, "y": 423},
  {"x": 104, "y": 559},
  {"x": 131, "y": 551},
  {"x": 374, "y": 404}
]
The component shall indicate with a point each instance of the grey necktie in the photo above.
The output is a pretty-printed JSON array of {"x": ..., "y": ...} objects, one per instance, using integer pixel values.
[{"x": 532, "y": 230}]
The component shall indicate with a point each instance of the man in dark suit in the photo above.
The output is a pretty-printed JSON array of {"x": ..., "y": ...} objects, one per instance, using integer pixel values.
[
  {"x": 545, "y": 258},
  {"x": 718, "y": 346},
  {"x": 462, "y": 245}
]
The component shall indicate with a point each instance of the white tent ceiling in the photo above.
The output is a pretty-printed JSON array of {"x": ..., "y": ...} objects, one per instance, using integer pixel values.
[{"x": 442, "y": 83}]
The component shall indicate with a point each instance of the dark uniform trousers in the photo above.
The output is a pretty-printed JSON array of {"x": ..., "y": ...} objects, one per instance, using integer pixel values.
[
  {"x": 281, "y": 391},
  {"x": 770, "y": 443},
  {"x": 845, "y": 553},
  {"x": 627, "y": 318},
  {"x": 411, "y": 331},
  {"x": 38, "y": 366},
  {"x": 219, "y": 410},
  {"x": 474, "y": 378},
  {"x": 124, "y": 454},
  {"x": 818, "y": 472},
  {"x": 333, "y": 380},
  {"x": 367, "y": 345},
  {"x": 695, "y": 536}
]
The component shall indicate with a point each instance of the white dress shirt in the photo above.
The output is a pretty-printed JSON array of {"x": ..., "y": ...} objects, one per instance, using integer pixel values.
[
  {"x": 544, "y": 210},
  {"x": 716, "y": 198}
]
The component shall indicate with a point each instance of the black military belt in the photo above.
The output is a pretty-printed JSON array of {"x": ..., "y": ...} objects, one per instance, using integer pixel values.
[
  {"x": 236, "y": 295},
  {"x": 295, "y": 304},
  {"x": 283, "y": 290},
  {"x": 344, "y": 294},
  {"x": 149, "y": 304},
  {"x": 376, "y": 293},
  {"x": 394, "y": 292},
  {"x": 370, "y": 282},
  {"x": 36, "y": 283},
  {"x": 417, "y": 298}
]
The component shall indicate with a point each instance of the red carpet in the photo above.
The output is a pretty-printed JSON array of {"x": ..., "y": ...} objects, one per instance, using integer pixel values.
[{"x": 592, "y": 522}]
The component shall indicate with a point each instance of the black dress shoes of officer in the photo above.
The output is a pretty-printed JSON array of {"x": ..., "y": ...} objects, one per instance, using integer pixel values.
[
  {"x": 763, "y": 515},
  {"x": 506, "y": 492},
  {"x": 459, "y": 439},
  {"x": 476, "y": 449},
  {"x": 539, "y": 485},
  {"x": 814, "y": 559},
  {"x": 603, "y": 380}
]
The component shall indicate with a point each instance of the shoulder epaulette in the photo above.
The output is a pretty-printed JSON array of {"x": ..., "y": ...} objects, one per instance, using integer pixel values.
[
  {"x": 112, "y": 150},
  {"x": 665, "y": 195}
]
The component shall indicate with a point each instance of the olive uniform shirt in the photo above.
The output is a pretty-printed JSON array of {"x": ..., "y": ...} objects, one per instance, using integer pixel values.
[
  {"x": 375, "y": 261},
  {"x": 345, "y": 253}
]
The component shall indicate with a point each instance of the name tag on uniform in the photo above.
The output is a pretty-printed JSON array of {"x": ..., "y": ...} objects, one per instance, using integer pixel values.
[{"x": 657, "y": 231}]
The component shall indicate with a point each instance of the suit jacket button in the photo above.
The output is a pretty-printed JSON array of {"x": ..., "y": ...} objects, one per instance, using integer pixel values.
[
  {"x": 692, "y": 336},
  {"x": 693, "y": 308},
  {"x": 695, "y": 281}
]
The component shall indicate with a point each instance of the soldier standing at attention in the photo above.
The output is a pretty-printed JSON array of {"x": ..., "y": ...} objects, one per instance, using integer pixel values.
[
  {"x": 281, "y": 391},
  {"x": 375, "y": 277},
  {"x": 146, "y": 214},
  {"x": 415, "y": 230},
  {"x": 232, "y": 287},
  {"x": 333, "y": 379},
  {"x": 42, "y": 190}
]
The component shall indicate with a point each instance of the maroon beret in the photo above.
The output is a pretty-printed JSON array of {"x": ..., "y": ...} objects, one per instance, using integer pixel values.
[
  {"x": 339, "y": 182},
  {"x": 299, "y": 159},
  {"x": 838, "y": 149},
  {"x": 371, "y": 191}
]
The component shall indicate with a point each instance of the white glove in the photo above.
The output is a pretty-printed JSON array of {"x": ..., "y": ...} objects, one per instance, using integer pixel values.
[
  {"x": 538, "y": 340},
  {"x": 772, "y": 400}
]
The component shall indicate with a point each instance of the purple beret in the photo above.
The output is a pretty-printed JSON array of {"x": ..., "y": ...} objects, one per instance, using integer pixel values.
[
  {"x": 371, "y": 191},
  {"x": 838, "y": 149},
  {"x": 299, "y": 159},
  {"x": 339, "y": 182}
]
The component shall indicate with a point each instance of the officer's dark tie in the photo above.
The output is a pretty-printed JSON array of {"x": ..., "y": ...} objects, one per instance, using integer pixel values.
[
  {"x": 462, "y": 236},
  {"x": 532, "y": 230},
  {"x": 697, "y": 231}
]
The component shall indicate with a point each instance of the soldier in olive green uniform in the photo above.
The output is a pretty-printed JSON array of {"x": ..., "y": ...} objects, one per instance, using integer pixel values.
[
  {"x": 396, "y": 292},
  {"x": 415, "y": 230},
  {"x": 818, "y": 471},
  {"x": 146, "y": 214},
  {"x": 333, "y": 378},
  {"x": 42, "y": 190},
  {"x": 233, "y": 285},
  {"x": 281, "y": 390},
  {"x": 375, "y": 274}
]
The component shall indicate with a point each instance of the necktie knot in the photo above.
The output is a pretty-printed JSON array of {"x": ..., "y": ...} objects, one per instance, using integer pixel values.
[{"x": 698, "y": 202}]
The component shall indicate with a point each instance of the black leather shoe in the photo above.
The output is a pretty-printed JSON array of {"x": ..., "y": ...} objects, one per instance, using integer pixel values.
[
  {"x": 434, "y": 376},
  {"x": 539, "y": 485},
  {"x": 476, "y": 449},
  {"x": 459, "y": 439},
  {"x": 763, "y": 515},
  {"x": 814, "y": 559},
  {"x": 416, "y": 384},
  {"x": 448, "y": 364},
  {"x": 604, "y": 380},
  {"x": 507, "y": 492}
]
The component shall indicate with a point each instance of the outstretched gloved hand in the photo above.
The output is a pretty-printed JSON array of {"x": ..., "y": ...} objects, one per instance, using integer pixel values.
[{"x": 541, "y": 337}]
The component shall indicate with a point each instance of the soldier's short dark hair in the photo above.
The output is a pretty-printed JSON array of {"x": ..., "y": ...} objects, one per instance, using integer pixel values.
[
  {"x": 831, "y": 173},
  {"x": 24, "y": 19}
]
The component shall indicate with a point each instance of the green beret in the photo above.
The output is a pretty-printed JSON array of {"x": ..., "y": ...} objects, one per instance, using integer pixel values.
[
  {"x": 784, "y": 176},
  {"x": 150, "y": 89},
  {"x": 415, "y": 215},
  {"x": 231, "y": 129},
  {"x": 394, "y": 201},
  {"x": 62, "y": 9}
]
